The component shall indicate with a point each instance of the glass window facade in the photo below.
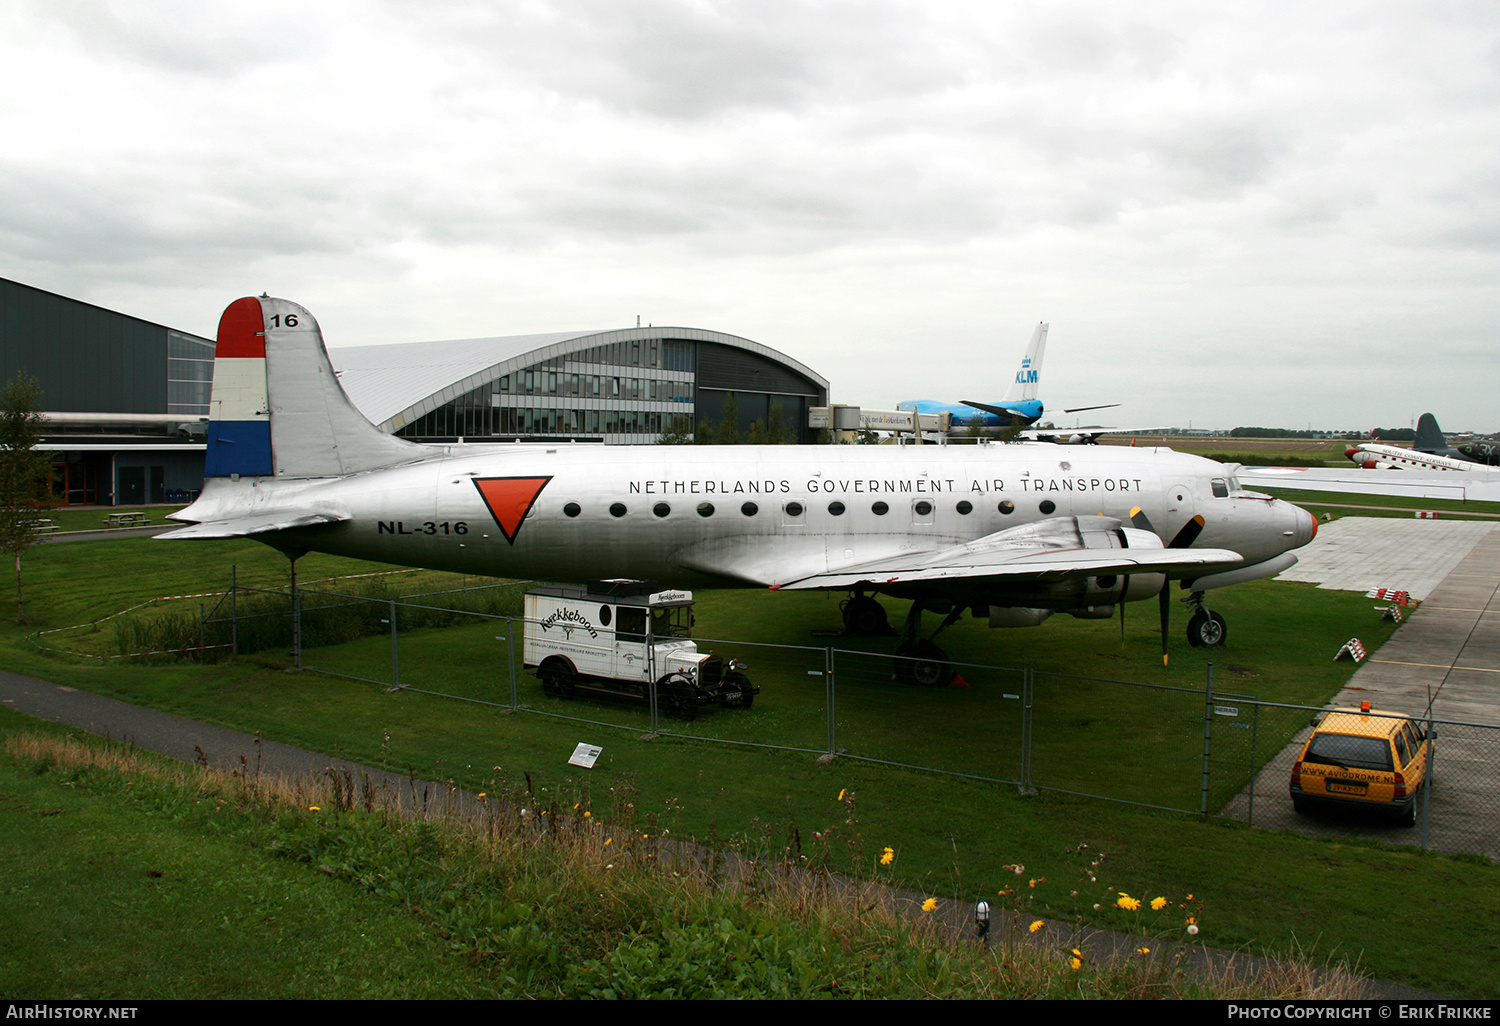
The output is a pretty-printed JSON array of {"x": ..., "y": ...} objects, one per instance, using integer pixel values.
[
  {"x": 629, "y": 391},
  {"x": 190, "y": 374}
]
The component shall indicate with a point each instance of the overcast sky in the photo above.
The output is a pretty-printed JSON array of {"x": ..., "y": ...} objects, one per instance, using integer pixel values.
[{"x": 1257, "y": 213}]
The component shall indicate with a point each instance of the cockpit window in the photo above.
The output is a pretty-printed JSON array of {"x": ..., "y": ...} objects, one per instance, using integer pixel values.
[{"x": 1221, "y": 488}]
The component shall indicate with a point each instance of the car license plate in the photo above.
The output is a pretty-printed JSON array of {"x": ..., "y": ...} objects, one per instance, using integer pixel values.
[{"x": 1347, "y": 787}]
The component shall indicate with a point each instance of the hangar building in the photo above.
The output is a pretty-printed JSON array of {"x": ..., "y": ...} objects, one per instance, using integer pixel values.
[
  {"x": 127, "y": 399},
  {"x": 625, "y": 387}
]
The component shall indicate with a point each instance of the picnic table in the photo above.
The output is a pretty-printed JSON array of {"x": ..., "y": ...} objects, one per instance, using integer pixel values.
[{"x": 134, "y": 518}]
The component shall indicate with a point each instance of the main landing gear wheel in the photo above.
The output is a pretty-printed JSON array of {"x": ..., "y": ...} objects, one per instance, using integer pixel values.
[
  {"x": 1206, "y": 629},
  {"x": 923, "y": 665},
  {"x": 864, "y": 617}
]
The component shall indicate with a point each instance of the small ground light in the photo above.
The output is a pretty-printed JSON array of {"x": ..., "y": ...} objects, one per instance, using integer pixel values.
[{"x": 982, "y": 921}]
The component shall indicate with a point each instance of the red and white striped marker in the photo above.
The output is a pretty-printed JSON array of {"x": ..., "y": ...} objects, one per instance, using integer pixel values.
[{"x": 1354, "y": 648}]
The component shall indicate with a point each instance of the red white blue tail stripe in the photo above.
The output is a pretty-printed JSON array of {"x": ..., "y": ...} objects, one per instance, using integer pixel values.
[{"x": 239, "y": 429}]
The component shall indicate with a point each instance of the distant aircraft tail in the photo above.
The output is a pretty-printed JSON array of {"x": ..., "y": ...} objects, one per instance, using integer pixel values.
[
  {"x": 1429, "y": 435},
  {"x": 277, "y": 409},
  {"x": 1028, "y": 377}
]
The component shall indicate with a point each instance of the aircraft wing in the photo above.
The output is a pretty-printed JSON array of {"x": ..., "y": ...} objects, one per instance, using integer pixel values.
[
  {"x": 999, "y": 411},
  {"x": 256, "y": 523},
  {"x": 1066, "y": 547}
]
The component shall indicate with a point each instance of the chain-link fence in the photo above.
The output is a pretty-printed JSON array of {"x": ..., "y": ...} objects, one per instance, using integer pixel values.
[{"x": 1188, "y": 750}]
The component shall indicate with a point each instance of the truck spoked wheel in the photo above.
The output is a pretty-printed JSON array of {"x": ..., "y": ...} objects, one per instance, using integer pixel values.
[
  {"x": 675, "y": 697},
  {"x": 558, "y": 681},
  {"x": 737, "y": 682}
]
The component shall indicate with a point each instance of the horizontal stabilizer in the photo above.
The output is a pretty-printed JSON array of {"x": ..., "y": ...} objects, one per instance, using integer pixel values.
[{"x": 256, "y": 523}]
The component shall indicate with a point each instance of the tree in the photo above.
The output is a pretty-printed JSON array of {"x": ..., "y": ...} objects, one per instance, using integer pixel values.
[
  {"x": 679, "y": 433},
  {"x": 25, "y": 472},
  {"x": 728, "y": 431}
]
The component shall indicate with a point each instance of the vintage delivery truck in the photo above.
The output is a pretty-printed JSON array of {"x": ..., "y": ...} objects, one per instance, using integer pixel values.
[{"x": 622, "y": 637}]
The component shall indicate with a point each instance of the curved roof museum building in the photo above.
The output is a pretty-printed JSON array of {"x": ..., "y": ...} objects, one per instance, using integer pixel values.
[{"x": 627, "y": 386}]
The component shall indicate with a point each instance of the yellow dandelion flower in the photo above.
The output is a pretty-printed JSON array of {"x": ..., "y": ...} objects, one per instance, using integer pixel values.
[
  {"x": 1076, "y": 963},
  {"x": 1128, "y": 903},
  {"x": 887, "y": 857},
  {"x": 1191, "y": 920},
  {"x": 929, "y": 904},
  {"x": 1143, "y": 951},
  {"x": 313, "y": 808},
  {"x": 1157, "y": 904},
  {"x": 1037, "y": 926},
  {"x": 586, "y": 815},
  {"x": 842, "y": 793}
]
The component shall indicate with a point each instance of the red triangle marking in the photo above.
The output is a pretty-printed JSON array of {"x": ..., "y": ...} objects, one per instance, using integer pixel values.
[{"x": 509, "y": 500}]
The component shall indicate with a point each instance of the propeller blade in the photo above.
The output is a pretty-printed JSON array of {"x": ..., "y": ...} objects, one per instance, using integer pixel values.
[
  {"x": 1166, "y": 615},
  {"x": 1188, "y": 534},
  {"x": 1140, "y": 521}
]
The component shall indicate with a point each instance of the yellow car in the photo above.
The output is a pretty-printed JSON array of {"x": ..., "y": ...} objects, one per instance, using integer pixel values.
[{"x": 1362, "y": 759}]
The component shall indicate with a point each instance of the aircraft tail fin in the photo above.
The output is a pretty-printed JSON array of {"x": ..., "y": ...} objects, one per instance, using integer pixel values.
[
  {"x": 1429, "y": 435},
  {"x": 277, "y": 408},
  {"x": 1028, "y": 377}
]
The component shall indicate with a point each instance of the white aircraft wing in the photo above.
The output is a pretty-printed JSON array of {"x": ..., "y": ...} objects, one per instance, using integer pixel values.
[
  {"x": 1066, "y": 547},
  {"x": 256, "y": 523}
]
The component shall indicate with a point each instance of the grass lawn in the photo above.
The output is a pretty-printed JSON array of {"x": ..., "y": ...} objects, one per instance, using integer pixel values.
[{"x": 952, "y": 836}]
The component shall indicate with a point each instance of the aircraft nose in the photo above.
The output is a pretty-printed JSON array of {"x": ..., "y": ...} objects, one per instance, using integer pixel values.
[{"x": 1305, "y": 527}]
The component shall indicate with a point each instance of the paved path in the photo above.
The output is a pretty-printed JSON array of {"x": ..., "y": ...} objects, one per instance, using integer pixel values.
[
  {"x": 1447, "y": 652},
  {"x": 1360, "y": 553}
]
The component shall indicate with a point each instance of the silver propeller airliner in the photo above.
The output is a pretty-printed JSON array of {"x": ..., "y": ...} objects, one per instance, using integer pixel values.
[{"x": 1009, "y": 532}]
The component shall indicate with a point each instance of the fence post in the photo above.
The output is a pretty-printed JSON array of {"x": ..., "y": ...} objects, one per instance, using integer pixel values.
[
  {"x": 1208, "y": 734},
  {"x": 510, "y": 662},
  {"x": 395, "y": 650},
  {"x": 830, "y": 701},
  {"x": 202, "y": 641},
  {"x": 296, "y": 620},
  {"x": 1028, "y": 727},
  {"x": 1431, "y": 773},
  {"x": 234, "y": 610},
  {"x": 1254, "y": 762}
]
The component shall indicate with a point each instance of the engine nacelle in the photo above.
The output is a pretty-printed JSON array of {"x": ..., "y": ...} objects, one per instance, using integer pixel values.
[
  {"x": 1017, "y": 616},
  {"x": 1019, "y": 604}
]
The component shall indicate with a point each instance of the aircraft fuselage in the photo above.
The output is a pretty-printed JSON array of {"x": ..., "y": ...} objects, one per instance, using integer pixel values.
[{"x": 572, "y": 512}]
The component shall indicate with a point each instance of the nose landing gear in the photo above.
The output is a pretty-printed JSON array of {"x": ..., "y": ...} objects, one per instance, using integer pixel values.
[{"x": 1205, "y": 628}]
